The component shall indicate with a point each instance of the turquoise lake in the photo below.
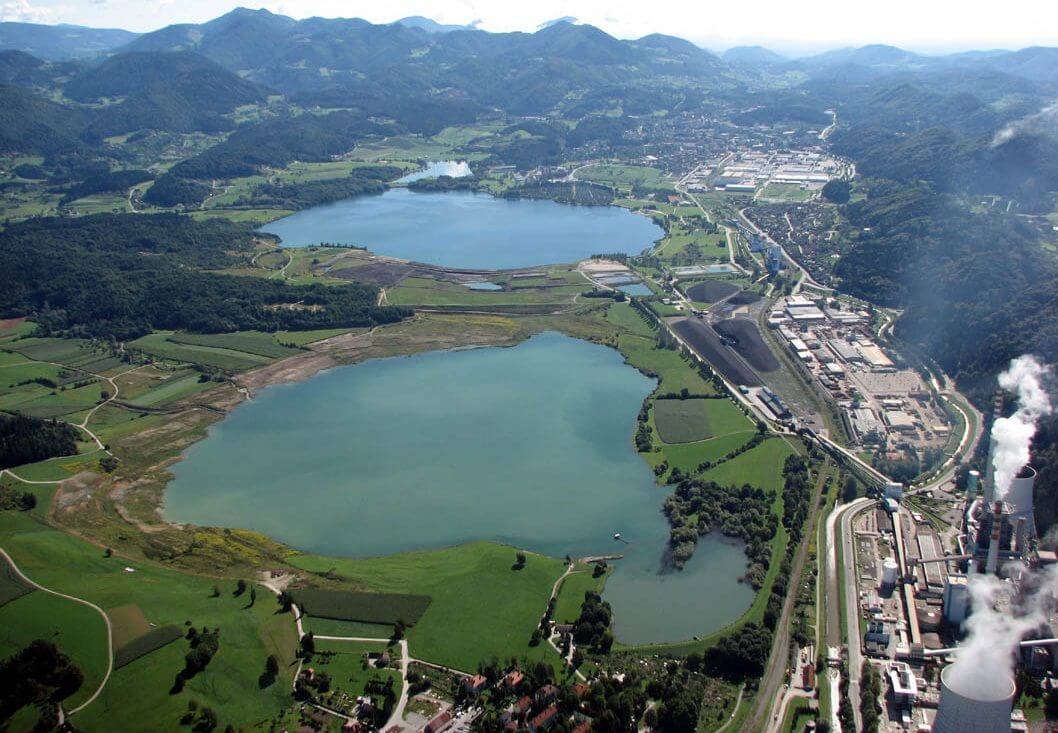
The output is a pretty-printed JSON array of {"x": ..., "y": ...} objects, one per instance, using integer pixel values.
[
  {"x": 463, "y": 229},
  {"x": 529, "y": 445}
]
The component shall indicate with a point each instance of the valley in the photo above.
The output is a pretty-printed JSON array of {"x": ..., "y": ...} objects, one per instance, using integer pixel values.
[{"x": 416, "y": 378}]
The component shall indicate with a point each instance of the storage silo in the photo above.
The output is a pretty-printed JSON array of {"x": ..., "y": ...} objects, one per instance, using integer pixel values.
[
  {"x": 979, "y": 705},
  {"x": 890, "y": 572}
]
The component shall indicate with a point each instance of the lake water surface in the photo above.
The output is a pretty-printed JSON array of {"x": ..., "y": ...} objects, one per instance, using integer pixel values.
[
  {"x": 465, "y": 229},
  {"x": 529, "y": 445}
]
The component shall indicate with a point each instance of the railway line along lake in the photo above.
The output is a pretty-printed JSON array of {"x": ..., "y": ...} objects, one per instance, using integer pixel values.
[
  {"x": 463, "y": 229},
  {"x": 528, "y": 445}
]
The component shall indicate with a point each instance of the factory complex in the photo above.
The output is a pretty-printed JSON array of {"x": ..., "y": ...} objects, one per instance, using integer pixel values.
[
  {"x": 921, "y": 570},
  {"x": 886, "y": 408},
  {"x": 746, "y": 171}
]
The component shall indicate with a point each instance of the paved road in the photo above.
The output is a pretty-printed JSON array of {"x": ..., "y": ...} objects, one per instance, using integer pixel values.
[
  {"x": 100, "y": 611},
  {"x": 840, "y": 522}
]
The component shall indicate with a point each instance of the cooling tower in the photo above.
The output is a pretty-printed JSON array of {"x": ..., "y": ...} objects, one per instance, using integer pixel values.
[
  {"x": 1020, "y": 497},
  {"x": 981, "y": 706}
]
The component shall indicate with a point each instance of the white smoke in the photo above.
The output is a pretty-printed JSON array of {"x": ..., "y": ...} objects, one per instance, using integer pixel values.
[
  {"x": 1012, "y": 436},
  {"x": 1044, "y": 122},
  {"x": 985, "y": 661}
]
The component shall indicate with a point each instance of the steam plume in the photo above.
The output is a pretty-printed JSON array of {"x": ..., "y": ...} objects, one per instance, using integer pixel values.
[
  {"x": 1012, "y": 436},
  {"x": 1044, "y": 122},
  {"x": 994, "y": 633}
]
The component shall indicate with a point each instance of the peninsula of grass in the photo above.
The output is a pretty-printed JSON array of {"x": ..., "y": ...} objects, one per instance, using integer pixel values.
[{"x": 481, "y": 607}]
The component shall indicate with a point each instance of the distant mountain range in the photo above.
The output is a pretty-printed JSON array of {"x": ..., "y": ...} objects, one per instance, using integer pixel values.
[
  {"x": 424, "y": 76},
  {"x": 61, "y": 42}
]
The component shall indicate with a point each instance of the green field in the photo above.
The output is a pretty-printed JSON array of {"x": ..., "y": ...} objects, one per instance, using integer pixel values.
[
  {"x": 77, "y": 630},
  {"x": 666, "y": 365},
  {"x": 334, "y": 627},
  {"x": 250, "y": 342},
  {"x": 786, "y": 192},
  {"x": 688, "y": 456},
  {"x": 158, "y": 344},
  {"x": 137, "y": 696},
  {"x": 691, "y": 420},
  {"x": 174, "y": 388},
  {"x": 352, "y": 605},
  {"x": 571, "y": 594},
  {"x": 350, "y": 670},
  {"x": 761, "y": 466},
  {"x": 625, "y": 177},
  {"x": 11, "y": 586},
  {"x": 481, "y": 607}
]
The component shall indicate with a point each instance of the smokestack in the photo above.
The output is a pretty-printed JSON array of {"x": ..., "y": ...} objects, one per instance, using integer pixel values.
[
  {"x": 973, "y": 481},
  {"x": 983, "y": 707},
  {"x": 992, "y": 563},
  {"x": 1021, "y": 536}
]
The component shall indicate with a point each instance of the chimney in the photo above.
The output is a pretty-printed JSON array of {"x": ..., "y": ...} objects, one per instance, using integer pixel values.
[
  {"x": 992, "y": 563},
  {"x": 1021, "y": 536}
]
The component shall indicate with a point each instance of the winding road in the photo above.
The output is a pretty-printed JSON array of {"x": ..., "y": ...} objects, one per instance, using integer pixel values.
[{"x": 106, "y": 619}]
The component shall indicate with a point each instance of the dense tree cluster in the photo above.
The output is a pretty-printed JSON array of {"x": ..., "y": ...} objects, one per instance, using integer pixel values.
[
  {"x": 569, "y": 192},
  {"x": 107, "y": 182},
  {"x": 698, "y": 507},
  {"x": 277, "y": 142},
  {"x": 41, "y": 675},
  {"x": 171, "y": 191},
  {"x": 123, "y": 275},
  {"x": 361, "y": 181},
  {"x": 837, "y": 191},
  {"x": 26, "y": 439},
  {"x": 742, "y": 654},
  {"x": 592, "y": 627},
  {"x": 204, "y": 646},
  {"x": 443, "y": 183},
  {"x": 926, "y": 253}
]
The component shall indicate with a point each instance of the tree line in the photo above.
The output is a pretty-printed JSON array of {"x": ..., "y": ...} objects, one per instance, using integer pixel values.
[{"x": 125, "y": 275}]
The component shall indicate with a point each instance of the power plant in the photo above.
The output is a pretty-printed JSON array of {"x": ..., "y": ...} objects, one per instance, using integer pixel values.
[{"x": 981, "y": 708}]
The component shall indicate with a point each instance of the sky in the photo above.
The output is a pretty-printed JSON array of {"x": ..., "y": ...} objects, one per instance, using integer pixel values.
[{"x": 790, "y": 26}]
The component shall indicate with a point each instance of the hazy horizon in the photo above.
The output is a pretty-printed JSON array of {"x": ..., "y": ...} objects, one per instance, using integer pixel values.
[{"x": 785, "y": 29}]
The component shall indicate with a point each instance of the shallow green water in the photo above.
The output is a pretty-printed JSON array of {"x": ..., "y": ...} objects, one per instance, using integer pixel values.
[{"x": 529, "y": 445}]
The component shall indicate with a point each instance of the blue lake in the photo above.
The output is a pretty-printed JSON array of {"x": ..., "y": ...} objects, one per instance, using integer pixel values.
[
  {"x": 463, "y": 229},
  {"x": 529, "y": 445}
]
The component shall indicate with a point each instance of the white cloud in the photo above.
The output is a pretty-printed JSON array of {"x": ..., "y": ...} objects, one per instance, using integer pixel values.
[{"x": 22, "y": 11}]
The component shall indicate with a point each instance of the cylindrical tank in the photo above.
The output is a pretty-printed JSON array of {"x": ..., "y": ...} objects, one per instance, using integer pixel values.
[
  {"x": 980, "y": 705},
  {"x": 890, "y": 570},
  {"x": 1019, "y": 496}
]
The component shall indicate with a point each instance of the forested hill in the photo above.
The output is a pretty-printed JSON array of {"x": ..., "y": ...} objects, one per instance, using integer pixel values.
[
  {"x": 526, "y": 73},
  {"x": 976, "y": 284},
  {"x": 121, "y": 276},
  {"x": 178, "y": 92}
]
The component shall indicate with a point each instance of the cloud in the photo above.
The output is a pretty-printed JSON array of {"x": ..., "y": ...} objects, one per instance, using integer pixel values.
[
  {"x": 1044, "y": 122},
  {"x": 21, "y": 11}
]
